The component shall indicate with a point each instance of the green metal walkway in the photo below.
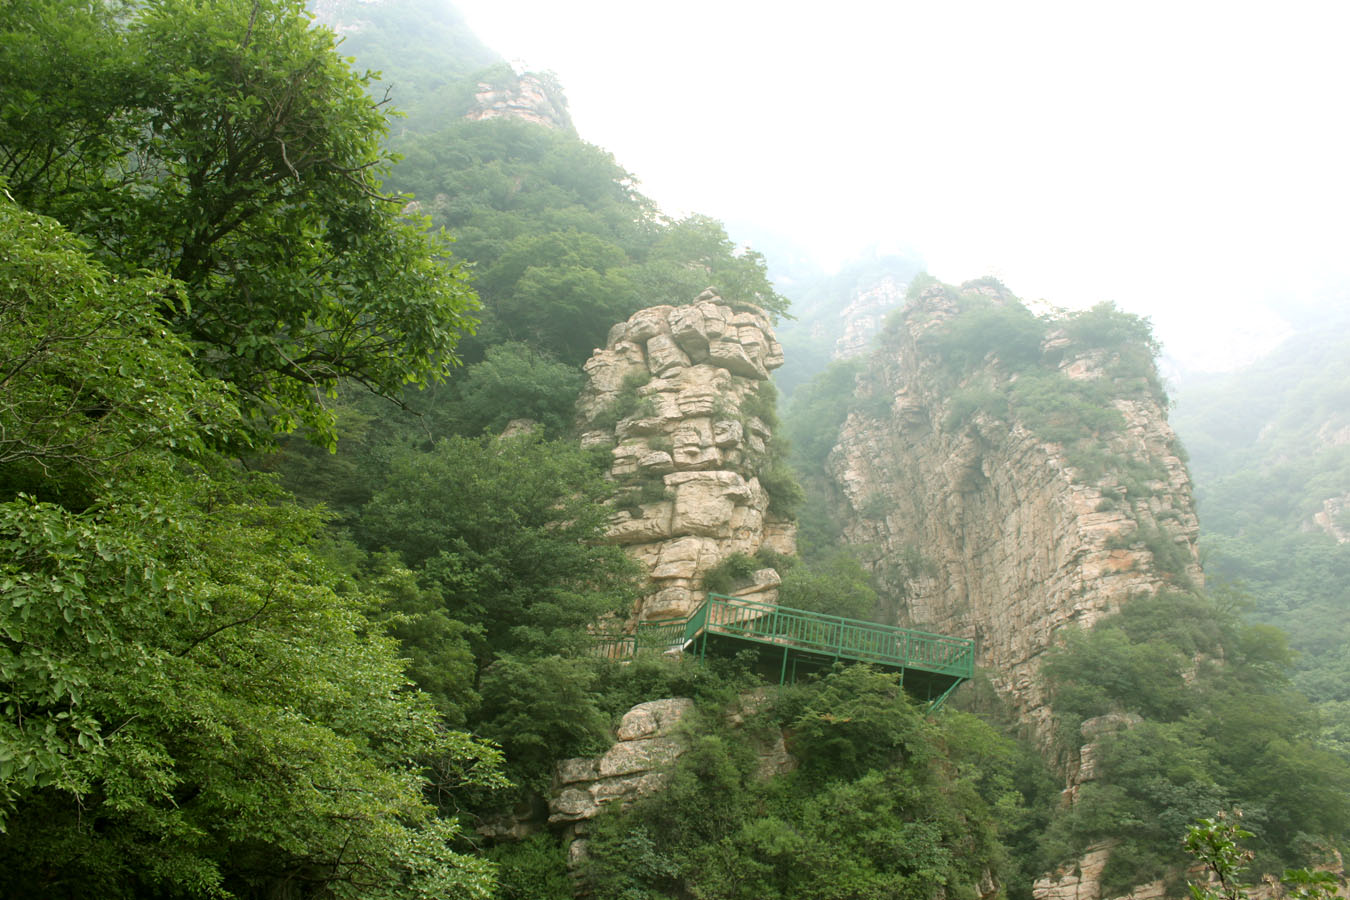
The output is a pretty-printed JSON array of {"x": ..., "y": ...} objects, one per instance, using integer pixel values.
[{"x": 931, "y": 665}]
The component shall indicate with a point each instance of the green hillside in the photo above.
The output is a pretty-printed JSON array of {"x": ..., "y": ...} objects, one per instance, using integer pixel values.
[{"x": 1270, "y": 446}]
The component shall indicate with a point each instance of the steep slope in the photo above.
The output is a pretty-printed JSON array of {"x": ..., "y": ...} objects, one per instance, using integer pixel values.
[
  {"x": 838, "y": 315},
  {"x": 422, "y": 50},
  {"x": 1284, "y": 421},
  {"x": 1006, "y": 477}
]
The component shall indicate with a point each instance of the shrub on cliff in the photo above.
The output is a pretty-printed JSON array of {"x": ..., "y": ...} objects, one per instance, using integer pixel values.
[{"x": 876, "y": 809}]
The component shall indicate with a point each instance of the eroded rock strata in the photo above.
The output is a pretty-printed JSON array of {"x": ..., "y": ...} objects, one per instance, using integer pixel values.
[
  {"x": 865, "y": 313},
  {"x": 679, "y": 395},
  {"x": 989, "y": 531}
]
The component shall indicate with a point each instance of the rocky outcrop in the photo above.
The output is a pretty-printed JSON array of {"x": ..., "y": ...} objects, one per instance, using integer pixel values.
[
  {"x": 1083, "y": 880},
  {"x": 1094, "y": 731},
  {"x": 987, "y": 530},
  {"x": 680, "y": 396},
  {"x": 1334, "y": 518},
  {"x": 646, "y": 743},
  {"x": 529, "y": 96}
]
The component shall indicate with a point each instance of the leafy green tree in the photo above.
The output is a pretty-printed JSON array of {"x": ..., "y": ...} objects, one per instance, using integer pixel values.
[
  {"x": 516, "y": 382},
  {"x": 506, "y": 531},
  {"x": 192, "y": 709},
  {"x": 1214, "y": 844},
  {"x": 192, "y": 706},
  {"x": 540, "y": 710},
  {"x": 532, "y": 869},
  {"x": 839, "y": 586},
  {"x": 438, "y": 647},
  {"x": 90, "y": 378},
  {"x": 241, "y": 157},
  {"x": 859, "y": 719}
]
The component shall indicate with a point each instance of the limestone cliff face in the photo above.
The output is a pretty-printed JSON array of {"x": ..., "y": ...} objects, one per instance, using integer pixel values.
[
  {"x": 679, "y": 395},
  {"x": 989, "y": 531}
]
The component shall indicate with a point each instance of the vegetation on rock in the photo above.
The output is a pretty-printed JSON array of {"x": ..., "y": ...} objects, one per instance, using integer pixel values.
[{"x": 235, "y": 663}]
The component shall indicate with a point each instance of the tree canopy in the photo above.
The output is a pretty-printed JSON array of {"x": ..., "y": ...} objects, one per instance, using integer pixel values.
[
  {"x": 194, "y": 242},
  {"x": 229, "y": 147},
  {"x": 193, "y": 706}
]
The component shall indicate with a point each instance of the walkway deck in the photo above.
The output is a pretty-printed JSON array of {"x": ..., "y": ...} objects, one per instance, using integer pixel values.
[{"x": 931, "y": 665}]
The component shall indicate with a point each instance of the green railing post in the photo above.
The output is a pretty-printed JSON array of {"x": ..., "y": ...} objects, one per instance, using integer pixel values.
[{"x": 800, "y": 634}]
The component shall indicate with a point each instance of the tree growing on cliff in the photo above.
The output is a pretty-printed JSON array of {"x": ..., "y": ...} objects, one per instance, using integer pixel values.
[
  {"x": 565, "y": 244},
  {"x": 1215, "y": 722}
]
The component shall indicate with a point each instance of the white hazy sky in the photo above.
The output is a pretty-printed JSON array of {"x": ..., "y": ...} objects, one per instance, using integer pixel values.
[{"x": 1190, "y": 161}]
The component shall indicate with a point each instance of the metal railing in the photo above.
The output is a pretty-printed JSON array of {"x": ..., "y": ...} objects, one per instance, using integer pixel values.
[
  {"x": 658, "y": 636},
  {"x": 797, "y": 629},
  {"x": 835, "y": 636}
]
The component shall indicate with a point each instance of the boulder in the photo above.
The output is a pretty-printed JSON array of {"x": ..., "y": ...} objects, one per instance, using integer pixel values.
[{"x": 730, "y": 355}]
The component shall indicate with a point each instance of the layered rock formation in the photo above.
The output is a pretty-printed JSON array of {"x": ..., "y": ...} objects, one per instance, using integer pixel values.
[
  {"x": 680, "y": 396},
  {"x": 988, "y": 530},
  {"x": 637, "y": 765}
]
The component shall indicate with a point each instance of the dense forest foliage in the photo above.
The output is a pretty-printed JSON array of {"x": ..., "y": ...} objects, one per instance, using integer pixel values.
[
  {"x": 196, "y": 253},
  {"x": 288, "y": 610}
]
